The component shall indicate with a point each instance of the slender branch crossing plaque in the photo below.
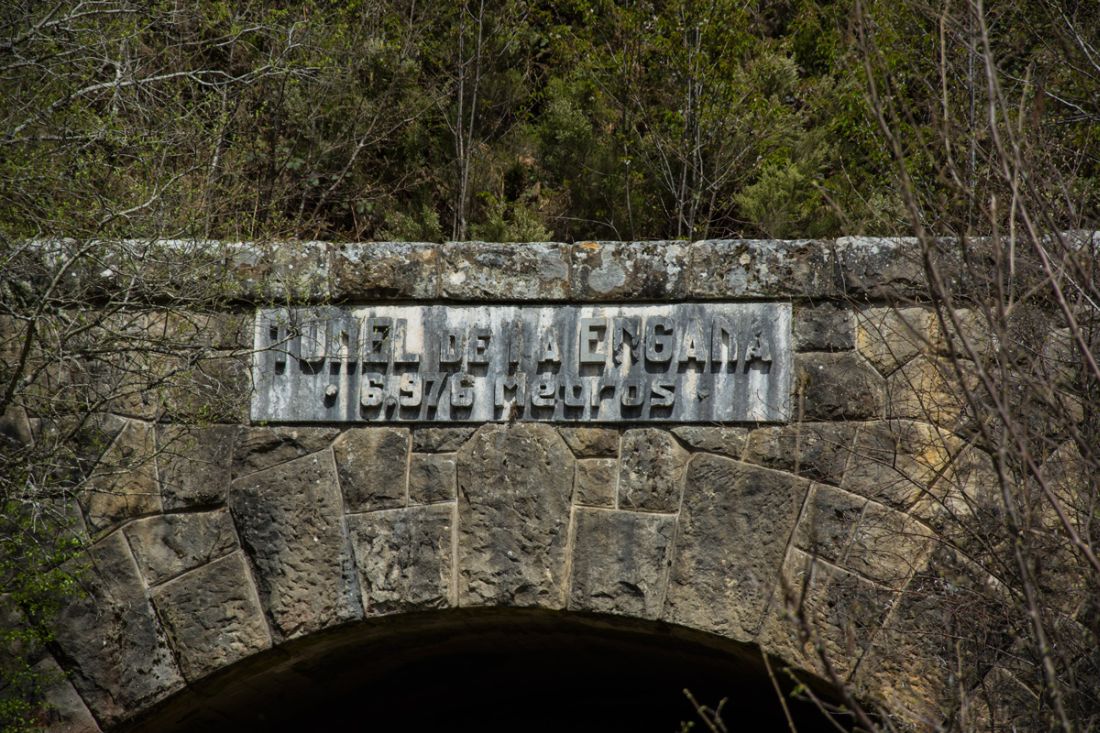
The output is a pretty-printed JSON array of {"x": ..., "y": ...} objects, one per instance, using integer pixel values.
[{"x": 687, "y": 362}]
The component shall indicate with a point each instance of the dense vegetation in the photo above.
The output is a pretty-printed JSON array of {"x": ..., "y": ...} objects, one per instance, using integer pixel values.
[{"x": 523, "y": 119}]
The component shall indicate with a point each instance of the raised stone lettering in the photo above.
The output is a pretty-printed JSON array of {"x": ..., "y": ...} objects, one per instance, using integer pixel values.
[{"x": 703, "y": 362}]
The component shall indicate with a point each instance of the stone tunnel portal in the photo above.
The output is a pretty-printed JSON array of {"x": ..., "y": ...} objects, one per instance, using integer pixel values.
[{"x": 495, "y": 670}]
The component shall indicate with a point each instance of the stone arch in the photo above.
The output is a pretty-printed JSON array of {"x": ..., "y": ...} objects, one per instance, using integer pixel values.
[
  {"x": 488, "y": 669},
  {"x": 320, "y": 529}
]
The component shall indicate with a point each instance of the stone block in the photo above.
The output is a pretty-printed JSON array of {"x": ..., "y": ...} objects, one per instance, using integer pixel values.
[
  {"x": 967, "y": 490},
  {"x": 372, "y": 463},
  {"x": 928, "y": 389},
  {"x": 824, "y": 327},
  {"x": 880, "y": 268},
  {"x": 595, "y": 482},
  {"x": 839, "y": 386},
  {"x": 729, "y": 442},
  {"x": 651, "y": 471},
  {"x": 890, "y": 337},
  {"x": 279, "y": 272},
  {"x": 816, "y": 450},
  {"x": 723, "y": 536},
  {"x": 259, "y": 448},
  {"x": 515, "y": 483},
  {"x": 610, "y": 271},
  {"x": 895, "y": 462},
  {"x": 482, "y": 271},
  {"x": 15, "y": 428},
  {"x": 65, "y": 711},
  {"x": 182, "y": 329},
  {"x": 118, "y": 657},
  {"x": 843, "y": 610},
  {"x": 945, "y": 611},
  {"x": 124, "y": 482},
  {"x": 968, "y": 334},
  {"x": 195, "y": 464},
  {"x": 76, "y": 443},
  {"x": 888, "y": 546},
  {"x": 1006, "y": 704},
  {"x": 212, "y": 616},
  {"x": 828, "y": 520},
  {"x": 372, "y": 271},
  {"x": 744, "y": 268},
  {"x": 591, "y": 442},
  {"x": 290, "y": 522},
  {"x": 620, "y": 562},
  {"x": 217, "y": 388},
  {"x": 404, "y": 558},
  {"x": 439, "y": 440},
  {"x": 432, "y": 478},
  {"x": 168, "y": 545}
]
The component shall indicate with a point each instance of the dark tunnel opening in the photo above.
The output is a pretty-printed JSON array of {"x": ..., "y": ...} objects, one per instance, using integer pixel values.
[{"x": 492, "y": 671}]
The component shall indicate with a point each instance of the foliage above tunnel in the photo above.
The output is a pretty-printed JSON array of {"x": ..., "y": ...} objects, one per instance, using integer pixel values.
[{"x": 523, "y": 119}]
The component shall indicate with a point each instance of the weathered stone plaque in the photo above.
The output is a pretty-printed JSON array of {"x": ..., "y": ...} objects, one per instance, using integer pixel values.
[{"x": 687, "y": 362}]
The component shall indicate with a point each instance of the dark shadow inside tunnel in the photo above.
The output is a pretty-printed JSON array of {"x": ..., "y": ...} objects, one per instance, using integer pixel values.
[{"x": 491, "y": 671}]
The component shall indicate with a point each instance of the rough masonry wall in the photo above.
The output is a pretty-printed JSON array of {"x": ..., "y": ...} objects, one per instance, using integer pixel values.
[{"x": 213, "y": 540}]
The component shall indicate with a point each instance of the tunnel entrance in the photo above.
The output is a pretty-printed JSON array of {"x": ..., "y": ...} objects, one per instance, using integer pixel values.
[{"x": 492, "y": 671}]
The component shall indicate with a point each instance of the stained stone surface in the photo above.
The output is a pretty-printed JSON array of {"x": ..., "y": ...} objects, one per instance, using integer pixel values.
[
  {"x": 371, "y": 463},
  {"x": 290, "y": 521},
  {"x": 888, "y": 546},
  {"x": 816, "y": 450},
  {"x": 165, "y": 546},
  {"x": 194, "y": 464},
  {"x": 439, "y": 440},
  {"x": 591, "y": 442},
  {"x": 890, "y": 337},
  {"x": 724, "y": 441},
  {"x": 845, "y": 610},
  {"x": 732, "y": 268},
  {"x": 66, "y": 711},
  {"x": 212, "y": 616},
  {"x": 120, "y": 656},
  {"x": 727, "y": 558},
  {"x": 651, "y": 471},
  {"x": 839, "y": 386},
  {"x": 897, "y": 461},
  {"x": 124, "y": 484},
  {"x": 929, "y": 389},
  {"x": 385, "y": 270},
  {"x": 404, "y": 558},
  {"x": 628, "y": 270},
  {"x": 260, "y": 448},
  {"x": 827, "y": 523},
  {"x": 825, "y": 326},
  {"x": 595, "y": 482},
  {"x": 532, "y": 271},
  {"x": 880, "y": 267},
  {"x": 515, "y": 483},
  {"x": 620, "y": 562},
  {"x": 431, "y": 478},
  {"x": 268, "y": 271}
]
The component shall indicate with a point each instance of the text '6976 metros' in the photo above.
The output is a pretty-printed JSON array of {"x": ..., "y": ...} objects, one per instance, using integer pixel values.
[{"x": 687, "y": 362}]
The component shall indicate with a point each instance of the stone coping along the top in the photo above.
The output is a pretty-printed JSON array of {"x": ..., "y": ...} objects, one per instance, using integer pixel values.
[{"x": 294, "y": 272}]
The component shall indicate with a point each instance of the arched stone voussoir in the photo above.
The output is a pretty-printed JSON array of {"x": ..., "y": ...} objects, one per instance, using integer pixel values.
[
  {"x": 735, "y": 525},
  {"x": 290, "y": 520},
  {"x": 111, "y": 643},
  {"x": 515, "y": 489}
]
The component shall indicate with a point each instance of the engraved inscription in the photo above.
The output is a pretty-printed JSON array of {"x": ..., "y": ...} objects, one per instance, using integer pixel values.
[{"x": 687, "y": 362}]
